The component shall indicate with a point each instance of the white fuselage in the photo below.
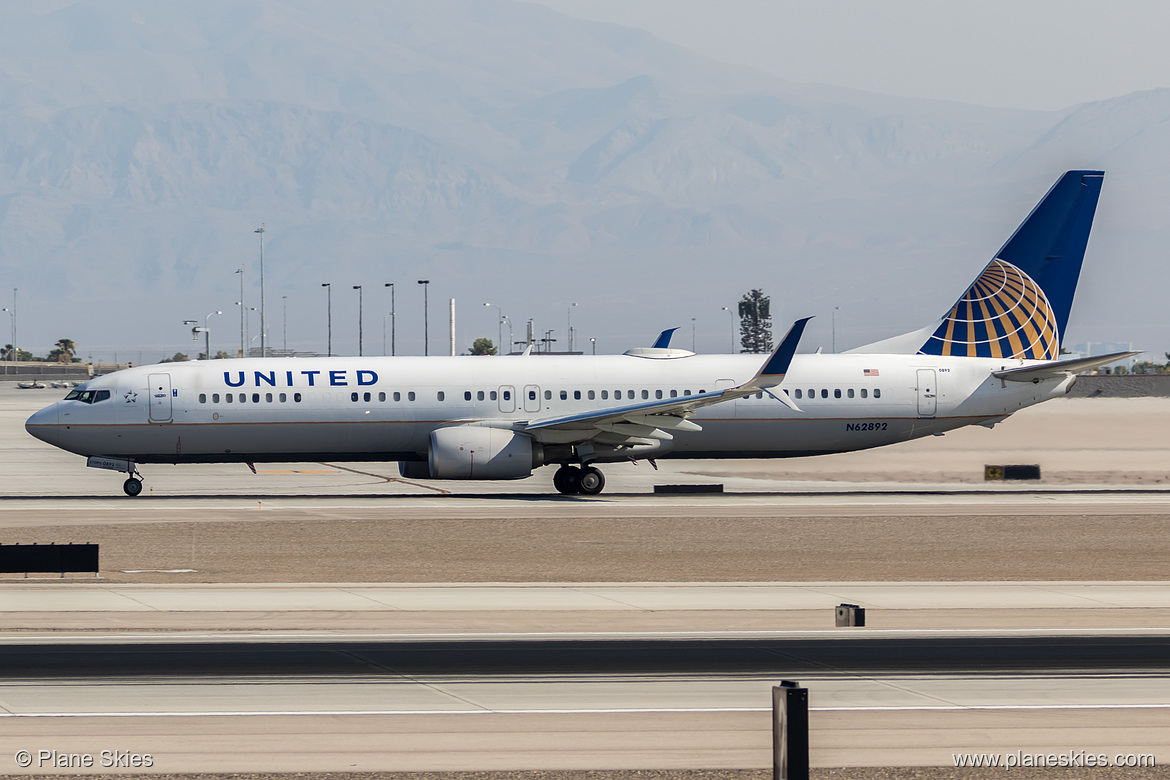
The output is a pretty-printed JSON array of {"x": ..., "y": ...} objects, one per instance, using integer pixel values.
[{"x": 385, "y": 408}]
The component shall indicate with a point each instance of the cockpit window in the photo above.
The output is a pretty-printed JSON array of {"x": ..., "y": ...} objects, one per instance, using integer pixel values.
[{"x": 88, "y": 396}]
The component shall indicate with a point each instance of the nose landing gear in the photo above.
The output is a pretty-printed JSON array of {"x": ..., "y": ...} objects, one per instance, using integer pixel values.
[{"x": 588, "y": 481}]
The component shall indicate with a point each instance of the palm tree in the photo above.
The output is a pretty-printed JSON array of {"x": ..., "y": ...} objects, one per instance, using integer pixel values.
[{"x": 63, "y": 353}]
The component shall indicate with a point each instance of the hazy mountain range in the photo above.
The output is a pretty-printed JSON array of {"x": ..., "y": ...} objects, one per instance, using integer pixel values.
[{"x": 513, "y": 155}]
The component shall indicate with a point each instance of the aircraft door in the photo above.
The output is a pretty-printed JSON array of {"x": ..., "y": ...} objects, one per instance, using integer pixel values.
[
  {"x": 531, "y": 398},
  {"x": 507, "y": 398},
  {"x": 927, "y": 392},
  {"x": 160, "y": 398}
]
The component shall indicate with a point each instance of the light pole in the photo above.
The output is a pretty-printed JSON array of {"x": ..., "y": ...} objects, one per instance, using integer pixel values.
[
  {"x": 358, "y": 287},
  {"x": 284, "y": 325},
  {"x": 248, "y": 328},
  {"x": 240, "y": 303},
  {"x": 570, "y": 330},
  {"x": 329, "y": 316},
  {"x": 692, "y": 334},
  {"x": 593, "y": 343},
  {"x": 8, "y": 357},
  {"x": 391, "y": 286},
  {"x": 731, "y": 317},
  {"x": 263, "y": 330},
  {"x": 835, "y": 310},
  {"x": 500, "y": 329},
  {"x": 207, "y": 333},
  {"x": 426, "y": 283}
]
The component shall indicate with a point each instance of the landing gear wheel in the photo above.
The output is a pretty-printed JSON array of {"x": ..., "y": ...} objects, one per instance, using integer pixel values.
[
  {"x": 132, "y": 486},
  {"x": 591, "y": 482},
  {"x": 567, "y": 480}
]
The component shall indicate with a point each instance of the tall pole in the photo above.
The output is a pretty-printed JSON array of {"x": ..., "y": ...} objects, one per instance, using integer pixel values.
[
  {"x": 391, "y": 286},
  {"x": 329, "y": 316},
  {"x": 500, "y": 330},
  {"x": 692, "y": 334},
  {"x": 452, "y": 313},
  {"x": 426, "y": 283},
  {"x": 835, "y": 310},
  {"x": 731, "y": 317},
  {"x": 240, "y": 271},
  {"x": 207, "y": 334},
  {"x": 570, "y": 329},
  {"x": 284, "y": 325},
  {"x": 15, "y": 346},
  {"x": 358, "y": 287},
  {"x": 263, "y": 330},
  {"x": 12, "y": 322}
]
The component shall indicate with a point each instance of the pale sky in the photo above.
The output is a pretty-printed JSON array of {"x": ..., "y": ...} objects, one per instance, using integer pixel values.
[{"x": 1038, "y": 54}]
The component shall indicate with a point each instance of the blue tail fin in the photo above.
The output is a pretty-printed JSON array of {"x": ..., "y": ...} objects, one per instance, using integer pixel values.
[{"x": 1019, "y": 305}]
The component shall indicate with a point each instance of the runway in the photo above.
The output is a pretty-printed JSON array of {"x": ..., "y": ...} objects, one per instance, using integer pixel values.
[{"x": 322, "y": 617}]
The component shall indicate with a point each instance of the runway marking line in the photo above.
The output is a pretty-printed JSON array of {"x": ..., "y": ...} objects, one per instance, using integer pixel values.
[{"x": 597, "y": 711}]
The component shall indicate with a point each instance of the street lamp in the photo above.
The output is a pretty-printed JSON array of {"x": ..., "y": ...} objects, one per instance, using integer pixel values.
[
  {"x": 240, "y": 303},
  {"x": 8, "y": 356},
  {"x": 329, "y": 316},
  {"x": 358, "y": 287},
  {"x": 835, "y": 310},
  {"x": 593, "y": 343},
  {"x": 207, "y": 333},
  {"x": 244, "y": 312},
  {"x": 731, "y": 316},
  {"x": 426, "y": 283},
  {"x": 570, "y": 330},
  {"x": 12, "y": 314},
  {"x": 500, "y": 329},
  {"x": 692, "y": 334},
  {"x": 263, "y": 330},
  {"x": 284, "y": 328},
  {"x": 391, "y": 286}
]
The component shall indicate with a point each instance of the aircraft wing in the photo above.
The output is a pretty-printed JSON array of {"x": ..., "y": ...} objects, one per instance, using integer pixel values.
[
  {"x": 651, "y": 421},
  {"x": 1059, "y": 368}
]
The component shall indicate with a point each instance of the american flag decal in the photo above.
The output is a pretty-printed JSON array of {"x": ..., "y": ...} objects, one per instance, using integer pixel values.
[{"x": 871, "y": 372}]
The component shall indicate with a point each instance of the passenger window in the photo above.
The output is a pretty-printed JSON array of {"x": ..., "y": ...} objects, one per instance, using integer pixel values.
[
  {"x": 564, "y": 395},
  {"x": 203, "y": 398},
  {"x": 837, "y": 393},
  {"x": 674, "y": 393},
  {"x": 255, "y": 398},
  {"x": 507, "y": 395},
  {"x": 798, "y": 393},
  {"x": 397, "y": 396},
  {"x": 657, "y": 393},
  {"x": 410, "y": 396},
  {"x": 592, "y": 395},
  {"x": 366, "y": 397},
  {"x": 268, "y": 397},
  {"x": 576, "y": 395},
  {"x": 604, "y": 395},
  {"x": 849, "y": 392},
  {"x": 492, "y": 395},
  {"x": 760, "y": 395},
  {"x": 531, "y": 395},
  {"x": 353, "y": 397},
  {"x": 686, "y": 392},
  {"x": 824, "y": 392},
  {"x": 441, "y": 395},
  {"x": 466, "y": 395},
  {"x": 548, "y": 395},
  {"x": 877, "y": 393},
  {"x": 812, "y": 393},
  {"x": 283, "y": 398},
  {"x": 864, "y": 393},
  {"x": 381, "y": 396},
  {"x": 479, "y": 395},
  {"x": 215, "y": 398},
  {"x": 645, "y": 394},
  {"x": 229, "y": 398},
  {"x": 296, "y": 398}
]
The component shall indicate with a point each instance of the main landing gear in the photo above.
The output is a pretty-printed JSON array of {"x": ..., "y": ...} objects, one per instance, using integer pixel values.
[{"x": 588, "y": 481}]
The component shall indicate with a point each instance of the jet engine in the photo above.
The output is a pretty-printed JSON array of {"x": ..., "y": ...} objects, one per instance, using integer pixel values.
[{"x": 477, "y": 452}]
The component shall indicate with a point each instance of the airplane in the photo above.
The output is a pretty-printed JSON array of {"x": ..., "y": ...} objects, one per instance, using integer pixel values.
[{"x": 997, "y": 350}]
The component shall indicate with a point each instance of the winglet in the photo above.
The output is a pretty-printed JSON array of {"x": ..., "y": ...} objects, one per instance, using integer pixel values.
[
  {"x": 663, "y": 340},
  {"x": 772, "y": 373}
]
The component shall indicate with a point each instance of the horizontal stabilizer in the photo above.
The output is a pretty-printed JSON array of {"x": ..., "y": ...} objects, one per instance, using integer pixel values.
[{"x": 1059, "y": 368}]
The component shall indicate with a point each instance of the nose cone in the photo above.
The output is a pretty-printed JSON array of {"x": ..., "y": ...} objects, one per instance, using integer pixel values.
[{"x": 44, "y": 425}]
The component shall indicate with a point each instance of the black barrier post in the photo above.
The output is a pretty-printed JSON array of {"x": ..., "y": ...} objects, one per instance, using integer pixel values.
[{"x": 789, "y": 731}]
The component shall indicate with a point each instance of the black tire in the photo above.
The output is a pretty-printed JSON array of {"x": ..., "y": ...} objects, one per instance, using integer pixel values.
[
  {"x": 567, "y": 480},
  {"x": 132, "y": 486},
  {"x": 591, "y": 482}
]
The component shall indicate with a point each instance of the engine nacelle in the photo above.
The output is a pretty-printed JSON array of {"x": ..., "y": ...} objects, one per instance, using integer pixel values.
[{"x": 477, "y": 452}]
